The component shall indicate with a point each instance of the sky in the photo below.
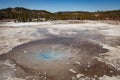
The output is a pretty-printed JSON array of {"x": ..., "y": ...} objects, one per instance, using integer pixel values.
[{"x": 63, "y": 5}]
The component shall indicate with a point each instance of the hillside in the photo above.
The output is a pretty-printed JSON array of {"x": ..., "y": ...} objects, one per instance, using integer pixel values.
[
  {"x": 82, "y": 15},
  {"x": 22, "y": 14},
  {"x": 25, "y": 15}
]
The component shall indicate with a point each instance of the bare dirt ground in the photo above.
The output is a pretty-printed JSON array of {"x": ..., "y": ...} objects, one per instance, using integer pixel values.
[{"x": 92, "y": 37}]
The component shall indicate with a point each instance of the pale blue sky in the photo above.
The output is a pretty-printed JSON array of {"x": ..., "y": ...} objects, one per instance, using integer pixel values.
[{"x": 63, "y": 5}]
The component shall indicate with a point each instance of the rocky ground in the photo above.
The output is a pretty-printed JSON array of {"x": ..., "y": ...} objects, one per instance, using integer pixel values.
[{"x": 104, "y": 33}]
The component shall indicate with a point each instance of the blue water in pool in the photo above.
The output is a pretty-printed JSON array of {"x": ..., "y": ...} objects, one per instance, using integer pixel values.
[{"x": 50, "y": 55}]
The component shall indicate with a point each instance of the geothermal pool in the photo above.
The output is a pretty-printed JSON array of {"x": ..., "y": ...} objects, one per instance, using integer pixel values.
[{"x": 61, "y": 58}]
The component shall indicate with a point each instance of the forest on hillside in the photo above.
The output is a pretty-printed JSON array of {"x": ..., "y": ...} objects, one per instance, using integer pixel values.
[{"x": 26, "y": 15}]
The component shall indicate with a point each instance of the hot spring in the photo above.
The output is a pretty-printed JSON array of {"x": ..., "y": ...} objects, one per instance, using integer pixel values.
[{"x": 60, "y": 58}]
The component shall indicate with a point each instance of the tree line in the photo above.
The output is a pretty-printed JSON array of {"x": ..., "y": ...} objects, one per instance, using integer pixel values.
[{"x": 26, "y": 15}]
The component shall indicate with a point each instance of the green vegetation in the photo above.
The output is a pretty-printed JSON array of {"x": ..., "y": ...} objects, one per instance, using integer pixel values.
[{"x": 26, "y": 15}]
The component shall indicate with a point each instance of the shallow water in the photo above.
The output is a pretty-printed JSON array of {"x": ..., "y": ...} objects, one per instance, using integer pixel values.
[{"x": 50, "y": 55}]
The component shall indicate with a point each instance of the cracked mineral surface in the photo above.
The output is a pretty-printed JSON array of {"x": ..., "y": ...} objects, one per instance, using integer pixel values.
[{"x": 60, "y": 50}]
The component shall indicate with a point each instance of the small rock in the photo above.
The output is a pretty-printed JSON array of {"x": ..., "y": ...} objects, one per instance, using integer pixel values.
[
  {"x": 95, "y": 76},
  {"x": 89, "y": 63},
  {"x": 67, "y": 63},
  {"x": 15, "y": 69},
  {"x": 89, "y": 66},
  {"x": 25, "y": 51},
  {"x": 79, "y": 75},
  {"x": 85, "y": 69},
  {"x": 71, "y": 70},
  {"x": 45, "y": 78},
  {"x": 77, "y": 63},
  {"x": 74, "y": 78},
  {"x": 111, "y": 71},
  {"x": 41, "y": 77}
]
